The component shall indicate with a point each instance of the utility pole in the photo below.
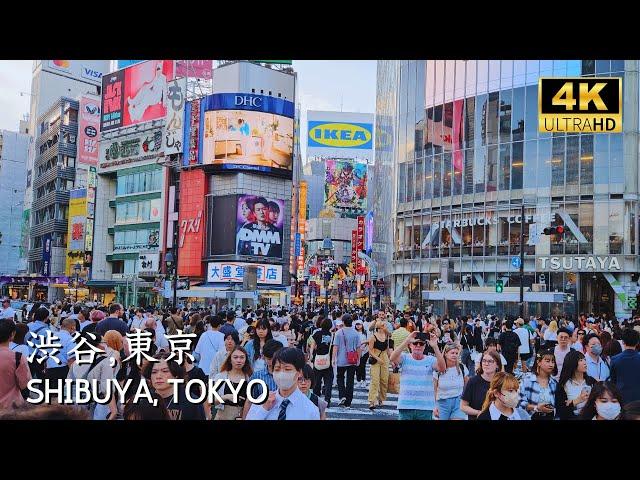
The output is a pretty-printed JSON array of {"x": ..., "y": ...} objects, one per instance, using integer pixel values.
[{"x": 522, "y": 262}]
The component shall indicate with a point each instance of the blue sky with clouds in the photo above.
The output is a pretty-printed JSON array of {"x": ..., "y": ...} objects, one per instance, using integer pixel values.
[{"x": 322, "y": 85}]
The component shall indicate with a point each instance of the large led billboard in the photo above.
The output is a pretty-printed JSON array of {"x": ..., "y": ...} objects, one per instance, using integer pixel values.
[
  {"x": 345, "y": 188},
  {"x": 245, "y": 132},
  {"x": 260, "y": 224},
  {"x": 137, "y": 94}
]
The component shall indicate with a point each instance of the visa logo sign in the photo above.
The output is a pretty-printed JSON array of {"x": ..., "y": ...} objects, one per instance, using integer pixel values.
[
  {"x": 340, "y": 135},
  {"x": 90, "y": 73}
]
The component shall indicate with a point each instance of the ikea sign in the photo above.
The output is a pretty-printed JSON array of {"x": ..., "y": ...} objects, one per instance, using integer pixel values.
[{"x": 340, "y": 135}]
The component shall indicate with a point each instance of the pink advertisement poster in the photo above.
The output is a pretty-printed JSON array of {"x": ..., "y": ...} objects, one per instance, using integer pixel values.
[
  {"x": 146, "y": 90},
  {"x": 194, "y": 68},
  {"x": 88, "y": 128}
]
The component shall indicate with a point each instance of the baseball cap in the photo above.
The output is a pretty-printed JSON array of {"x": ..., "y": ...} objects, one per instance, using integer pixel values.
[
  {"x": 339, "y": 322},
  {"x": 358, "y": 322},
  {"x": 591, "y": 320}
]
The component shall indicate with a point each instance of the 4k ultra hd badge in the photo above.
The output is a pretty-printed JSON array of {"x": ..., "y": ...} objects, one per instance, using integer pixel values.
[{"x": 580, "y": 105}]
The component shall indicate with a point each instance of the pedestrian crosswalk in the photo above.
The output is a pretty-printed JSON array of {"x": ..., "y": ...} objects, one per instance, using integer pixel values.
[{"x": 360, "y": 405}]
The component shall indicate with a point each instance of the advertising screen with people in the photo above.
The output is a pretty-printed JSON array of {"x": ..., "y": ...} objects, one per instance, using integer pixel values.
[
  {"x": 247, "y": 140},
  {"x": 345, "y": 188},
  {"x": 260, "y": 224}
]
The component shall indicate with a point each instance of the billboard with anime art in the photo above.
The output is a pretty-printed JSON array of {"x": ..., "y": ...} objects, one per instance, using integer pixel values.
[
  {"x": 259, "y": 226},
  {"x": 345, "y": 189}
]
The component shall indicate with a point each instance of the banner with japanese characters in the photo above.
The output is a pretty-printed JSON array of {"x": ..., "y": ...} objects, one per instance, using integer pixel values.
[
  {"x": 88, "y": 129},
  {"x": 234, "y": 272},
  {"x": 174, "y": 122}
]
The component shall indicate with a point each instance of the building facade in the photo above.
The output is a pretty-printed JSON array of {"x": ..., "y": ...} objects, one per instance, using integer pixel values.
[
  {"x": 14, "y": 150},
  {"x": 461, "y": 142},
  {"x": 235, "y": 192},
  {"x": 54, "y": 176}
]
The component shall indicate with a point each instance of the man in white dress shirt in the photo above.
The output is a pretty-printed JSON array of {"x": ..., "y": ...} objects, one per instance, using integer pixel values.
[{"x": 288, "y": 402}]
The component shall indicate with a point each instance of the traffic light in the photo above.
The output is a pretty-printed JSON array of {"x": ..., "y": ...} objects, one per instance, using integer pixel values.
[
  {"x": 499, "y": 286},
  {"x": 559, "y": 230}
]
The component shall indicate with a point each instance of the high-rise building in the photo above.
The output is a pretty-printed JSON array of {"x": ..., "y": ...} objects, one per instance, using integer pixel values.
[
  {"x": 460, "y": 142},
  {"x": 54, "y": 176},
  {"x": 14, "y": 149},
  {"x": 236, "y": 187},
  {"x": 51, "y": 81}
]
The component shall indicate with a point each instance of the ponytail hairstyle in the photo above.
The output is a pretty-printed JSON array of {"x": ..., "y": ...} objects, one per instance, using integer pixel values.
[{"x": 499, "y": 381}]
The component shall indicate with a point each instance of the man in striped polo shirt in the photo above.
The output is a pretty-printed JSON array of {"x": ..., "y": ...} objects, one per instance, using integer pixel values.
[{"x": 416, "y": 400}]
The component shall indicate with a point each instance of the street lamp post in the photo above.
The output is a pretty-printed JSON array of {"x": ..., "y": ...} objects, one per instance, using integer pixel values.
[
  {"x": 77, "y": 268},
  {"x": 170, "y": 262}
]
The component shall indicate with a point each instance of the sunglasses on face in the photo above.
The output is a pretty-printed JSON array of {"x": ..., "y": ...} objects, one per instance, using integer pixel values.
[{"x": 418, "y": 344}]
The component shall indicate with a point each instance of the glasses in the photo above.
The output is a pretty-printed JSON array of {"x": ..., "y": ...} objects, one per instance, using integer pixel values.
[
  {"x": 303, "y": 380},
  {"x": 418, "y": 344},
  {"x": 488, "y": 362}
]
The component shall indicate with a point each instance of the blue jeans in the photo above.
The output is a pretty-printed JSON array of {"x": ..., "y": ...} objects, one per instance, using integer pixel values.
[
  {"x": 449, "y": 409},
  {"x": 409, "y": 414}
]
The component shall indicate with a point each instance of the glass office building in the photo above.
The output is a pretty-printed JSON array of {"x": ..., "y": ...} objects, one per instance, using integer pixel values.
[{"x": 466, "y": 155}]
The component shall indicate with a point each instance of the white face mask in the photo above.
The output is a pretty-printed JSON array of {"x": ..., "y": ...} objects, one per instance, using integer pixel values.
[
  {"x": 608, "y": 410},
  {"x": 511, "y": 399},
  {"x": 285, "y": 380}
]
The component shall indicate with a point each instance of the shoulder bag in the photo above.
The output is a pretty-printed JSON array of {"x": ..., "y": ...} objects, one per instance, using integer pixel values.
[
  {"x": 322, "y": 362},
  {"x": 353, "y": 356}
]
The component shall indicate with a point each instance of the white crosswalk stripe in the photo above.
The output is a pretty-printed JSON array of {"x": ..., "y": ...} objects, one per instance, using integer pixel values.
[{"x": 360, "y": 406}]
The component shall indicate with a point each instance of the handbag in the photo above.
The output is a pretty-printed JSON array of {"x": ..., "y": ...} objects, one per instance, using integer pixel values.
[
  {"x": 393, "y": 385},
  {"x": 322, "y": 362},
  {"x": 353, "y": 357}
]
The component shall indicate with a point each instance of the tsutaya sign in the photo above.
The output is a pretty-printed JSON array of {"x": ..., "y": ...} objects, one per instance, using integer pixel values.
[{"x": 579, "y": 263}]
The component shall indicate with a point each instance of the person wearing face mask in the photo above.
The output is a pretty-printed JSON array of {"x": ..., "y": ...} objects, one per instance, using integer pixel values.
[
  {"x": 287, "y": 402},
  {"x": 597, "y": 367},
  {"x": 502, "y": 399},
  {"x": 604, "y": 403}
]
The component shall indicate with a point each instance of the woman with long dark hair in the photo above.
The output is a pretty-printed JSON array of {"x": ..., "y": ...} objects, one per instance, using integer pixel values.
[
  {"x": 159, "y": 373},
  {"x": 574, "y": 386},
  {"x": 538, "y": 387},
  {"x": 254, "y": 347},
  {"x": 604, "y": 403}
]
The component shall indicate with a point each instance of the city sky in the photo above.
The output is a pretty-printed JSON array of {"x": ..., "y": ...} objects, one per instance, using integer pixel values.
[{"x": 345, "y": 85}]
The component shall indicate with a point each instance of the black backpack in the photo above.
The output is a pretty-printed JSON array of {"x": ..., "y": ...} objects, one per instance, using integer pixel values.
[{"x": 37, "y": 369}]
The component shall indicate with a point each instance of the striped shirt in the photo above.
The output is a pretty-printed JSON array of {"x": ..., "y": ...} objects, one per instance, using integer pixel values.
[
  {"x": 268, "y": 379},
  {"x": 530, "y": 391},
  {"x": 416, "y": 383}
]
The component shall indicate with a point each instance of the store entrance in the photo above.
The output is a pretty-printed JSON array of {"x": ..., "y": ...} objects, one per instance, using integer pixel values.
[{"x": 596, "y": 295}]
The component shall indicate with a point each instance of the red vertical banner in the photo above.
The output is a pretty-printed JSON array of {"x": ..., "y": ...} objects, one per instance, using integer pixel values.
[
  {"x": 360, "y": 236},
  {"x": 354, "y": 247},
  {"x": 191, "y": 222}
]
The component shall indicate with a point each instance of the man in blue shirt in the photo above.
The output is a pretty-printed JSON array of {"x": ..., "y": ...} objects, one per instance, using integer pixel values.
[
  {"x": 113, "y": 321},
  {"x": 625, "y": 367},
  {"x": 59, "y": 369}
]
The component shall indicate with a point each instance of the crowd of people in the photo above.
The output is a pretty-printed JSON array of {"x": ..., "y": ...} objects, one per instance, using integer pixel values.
[{"x": 441, "y": 368}]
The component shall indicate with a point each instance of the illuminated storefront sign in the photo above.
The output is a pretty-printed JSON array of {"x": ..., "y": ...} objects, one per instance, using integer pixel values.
[{"x": 579, "y": 263}]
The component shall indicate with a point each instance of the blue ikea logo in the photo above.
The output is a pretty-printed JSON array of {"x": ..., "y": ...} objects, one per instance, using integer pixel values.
[{"x": 340, "y": 135}]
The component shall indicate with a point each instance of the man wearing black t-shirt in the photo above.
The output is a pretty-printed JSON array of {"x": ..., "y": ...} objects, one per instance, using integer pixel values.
[
  {"x": 509, "y": 341},
  {"x": 320, "y": 344}
]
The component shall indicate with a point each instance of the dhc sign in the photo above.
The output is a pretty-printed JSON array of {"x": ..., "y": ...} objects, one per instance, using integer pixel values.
[
  {"x": 247, "y": 101},
  {"x": 340, "y": 135}
]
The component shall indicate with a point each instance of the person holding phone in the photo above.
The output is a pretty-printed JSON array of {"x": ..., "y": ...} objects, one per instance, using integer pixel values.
[
  {"x": 538, "y": 388},
  {"x": 574, "y": 386}
]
